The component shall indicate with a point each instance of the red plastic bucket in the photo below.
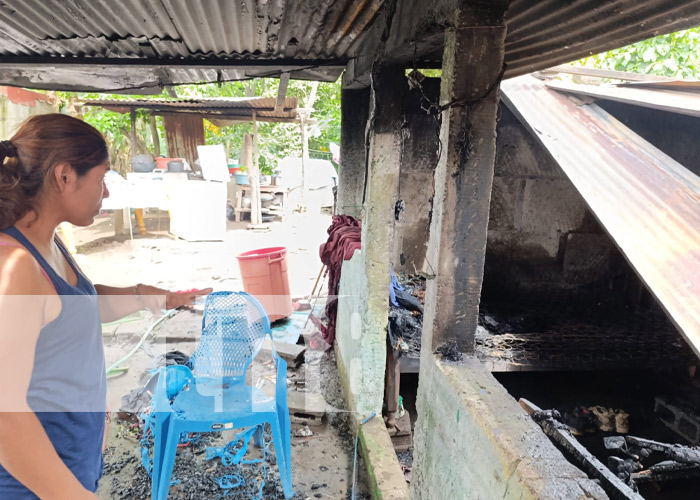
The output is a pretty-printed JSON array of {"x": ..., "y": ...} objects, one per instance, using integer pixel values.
[{"x": 264, "y": 274}]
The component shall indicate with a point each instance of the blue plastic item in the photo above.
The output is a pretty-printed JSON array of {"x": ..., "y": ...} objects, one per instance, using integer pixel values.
[
  {"x": 214, "y": 395},
  {"x": 241, "y": 179}
]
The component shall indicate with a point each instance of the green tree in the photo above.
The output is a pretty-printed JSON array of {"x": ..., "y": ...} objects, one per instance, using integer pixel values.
[{"x": 675, "y": 55}]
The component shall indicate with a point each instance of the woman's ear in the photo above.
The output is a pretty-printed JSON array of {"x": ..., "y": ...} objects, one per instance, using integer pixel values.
[{"x": 63, "y": 175}]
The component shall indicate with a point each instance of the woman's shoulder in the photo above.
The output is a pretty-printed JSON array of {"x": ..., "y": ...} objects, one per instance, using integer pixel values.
[{"x": 20, "y": 273}]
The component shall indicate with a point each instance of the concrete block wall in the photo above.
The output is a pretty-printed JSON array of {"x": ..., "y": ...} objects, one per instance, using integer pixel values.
[
  {"x": 495, "y": 450},
  {"x": 541, "y": 233}
]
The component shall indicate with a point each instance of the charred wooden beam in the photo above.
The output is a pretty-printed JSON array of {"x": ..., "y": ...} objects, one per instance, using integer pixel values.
[
  {"x": 559, "y": 432},
  {"x": 666, "y": 471},
  {"x": 354, "y": 108}
]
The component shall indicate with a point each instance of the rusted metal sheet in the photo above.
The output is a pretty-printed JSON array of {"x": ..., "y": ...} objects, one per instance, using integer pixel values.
[
  {"x": 257, "y": 103},
  {"x": 647, "y": 202},
  {"x": 232, "y": 108},
  {"x": 173, "y": 28},
  {"x": 675, "y": 101},
  {"x": 74, "y": 44},
  {"x": 183, "y": 134},
  {"x": 165, "y": 33},
  {"x": 543, "y": 33}
]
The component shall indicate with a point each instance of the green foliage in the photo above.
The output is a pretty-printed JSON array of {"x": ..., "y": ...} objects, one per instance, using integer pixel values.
[
  {"x": 275, "y": 140},
  {"x": 326, "y": 111},
  {"x": 676, "y": 55}
]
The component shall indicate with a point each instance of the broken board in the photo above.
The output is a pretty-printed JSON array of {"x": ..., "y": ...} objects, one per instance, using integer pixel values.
[
  {"x": 293, "y": 354},
  {"x": 402, "y": 439}
]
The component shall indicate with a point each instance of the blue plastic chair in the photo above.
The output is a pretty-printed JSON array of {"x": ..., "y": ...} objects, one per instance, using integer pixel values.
[{"x": 214, "y": 396}]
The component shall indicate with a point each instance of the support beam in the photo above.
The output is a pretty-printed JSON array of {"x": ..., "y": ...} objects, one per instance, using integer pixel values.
[
  {"x": 254, "y": 180},
  {"x": 134, "y": 146},
  {"x": 154, "y": 134},
  {"x": 384, "y": 160},
  {"x": 354, "y": 108},
  {"x": 304, "y": 160},
  {"x": 304, "y": 115},
  {"x": 247, "y": 151},
  {"x": 282, "y": 92},
  {"x": 472, "y": 70}
]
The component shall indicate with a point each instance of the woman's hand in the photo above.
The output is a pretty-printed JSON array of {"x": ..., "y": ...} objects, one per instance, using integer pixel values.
[
  {"x": 185, "y": 299},
  {"x": 156, "y": 299}
]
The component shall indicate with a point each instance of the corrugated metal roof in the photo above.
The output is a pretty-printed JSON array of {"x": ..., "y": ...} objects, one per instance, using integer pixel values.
[
  {"x": 675, "y": 101},
  {"x": 51, "y": 44},
  {"x": 543, "y": 33},
  {"x": 320, "y": 29},
  {"x": 240, "y": 108},
  {"x": 647, "y": 202}
]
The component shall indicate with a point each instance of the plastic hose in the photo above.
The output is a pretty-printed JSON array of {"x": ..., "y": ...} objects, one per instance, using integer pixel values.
[{"x": 115, "y": 369}]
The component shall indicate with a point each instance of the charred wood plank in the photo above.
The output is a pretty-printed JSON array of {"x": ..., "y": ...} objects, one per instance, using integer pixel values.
[{"x": 552, "y": 427}]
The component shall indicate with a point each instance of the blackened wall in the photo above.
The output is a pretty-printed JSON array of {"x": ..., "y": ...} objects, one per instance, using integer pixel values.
[
  {"x": 541, "y": 233},
  {"x": 420, "y": 131}
]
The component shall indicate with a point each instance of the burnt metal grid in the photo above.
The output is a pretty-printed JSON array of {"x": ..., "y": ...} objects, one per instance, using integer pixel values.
[{"x": 576, "y": 331}]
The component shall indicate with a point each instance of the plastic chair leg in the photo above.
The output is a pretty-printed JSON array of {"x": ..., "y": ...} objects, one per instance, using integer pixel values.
[
  {"x": 258, "y": 436},
  {"x": 160, "y": 432},
  {"x": 285, "y": 432},
  {"x": 282, "y": 459},
  {"x": 168, "y": 462}
]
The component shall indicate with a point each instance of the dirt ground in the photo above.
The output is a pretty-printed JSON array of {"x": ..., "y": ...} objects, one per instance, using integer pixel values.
[{"x": 322, "y": 463}]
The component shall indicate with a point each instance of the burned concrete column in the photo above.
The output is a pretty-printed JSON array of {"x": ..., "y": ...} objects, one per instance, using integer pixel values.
[
  {"x": 383, "y": 163},
  {"x": 354, "y": 105},
  {"x": 471, "y": 72}
]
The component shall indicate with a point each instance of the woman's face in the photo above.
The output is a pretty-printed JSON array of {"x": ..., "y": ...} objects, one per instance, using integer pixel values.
[{"x": 84, "y": 200}]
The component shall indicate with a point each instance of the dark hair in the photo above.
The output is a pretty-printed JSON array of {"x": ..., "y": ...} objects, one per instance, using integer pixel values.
[{"x": 41, "y": 143}]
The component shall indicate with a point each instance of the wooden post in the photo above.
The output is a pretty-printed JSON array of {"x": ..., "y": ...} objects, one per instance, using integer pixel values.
[
  {"x": 472, "y": 68},
  {"x": 304, "y": 115},
  {"x": 247, "y": 152},
  {"x": 134, "y": 147},
  {"x": 304, "y": 157},
  {"x": 154, "y": 133},
  {"x": 254, "y": 179},
  {"x": 282, "y": 91},
  {"x": 354, "y": 106}
]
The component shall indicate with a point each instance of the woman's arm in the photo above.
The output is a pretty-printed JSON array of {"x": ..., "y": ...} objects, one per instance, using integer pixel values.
[
  {"x": 116, "y": 302},
  {"x": 27, "y": 303}
]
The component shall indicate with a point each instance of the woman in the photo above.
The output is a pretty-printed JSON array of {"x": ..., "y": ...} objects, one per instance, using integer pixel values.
[{"x": 53, "y": 396}]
